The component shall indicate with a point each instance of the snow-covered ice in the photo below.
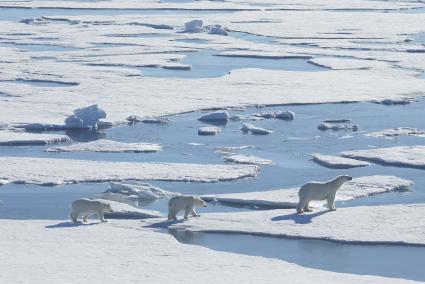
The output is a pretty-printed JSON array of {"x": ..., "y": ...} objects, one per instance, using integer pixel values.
[
  {"x": 209, "y": 130},
  {"x": 288, "y": 198},
  {"x": 387, "y": 224},
  {"x": 336, "y": 162},
  {"x": 248, "y": 127},
  {"x": 125, "y": 211},
  {"x": 16, "y": 138},
  {"x": 103, "y": 145},
  {"x": 47, "y": 171},
  {"x": 141, "y": 190},
  {"x": 402, "y": 156},
  {"x": 215, "y": 117},
  {"x": 86, "y": 117},
  {"x": 247, "y": 159},
  {"x": 121, "y": 251},
  {"x": 396, "y": 132}
]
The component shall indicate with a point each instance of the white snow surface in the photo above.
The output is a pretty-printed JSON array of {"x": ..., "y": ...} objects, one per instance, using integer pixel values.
[
  {"x": 121, "y": 251},
  {"x": 126, "y": 211},
  {"x": 288, "y": 198},
  {"x": 11, "y": 138},
  {"x": 395, "y": 132},
  {"x": 336, "y": 162},
  {"x": 388, "y": 224},
  {"x": 403, "y": 156},
  {"x": 103, "y": 145},
  {"x": 48, "y": 171},
  {"x": 247, "y": 159}
]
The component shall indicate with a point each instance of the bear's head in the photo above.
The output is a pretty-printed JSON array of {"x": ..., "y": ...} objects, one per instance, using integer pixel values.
[
  {"x": 199, "y": 202},
  {"x": 344, "y": 179},
  {"x": 107, "y": 207}
]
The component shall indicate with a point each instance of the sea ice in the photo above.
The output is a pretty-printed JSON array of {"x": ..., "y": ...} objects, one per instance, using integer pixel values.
[
  {"x": 284, "y": 115},
  {"x": 103, "y": 145},
  {"x": 403, "y": 156},
  {"x": 125, "y": 211},
  {"x": 248, "y": 127},
  {"x": 141, "y": 190},
  {"x": 16, "y": 138},
  {"x": 47, "y": 171},
  {"x": 387, "y": 224},
  {"x": 288, "y": 198},
  {"x": 115, "y": 252},
  {"x": 335, "y": 162},
  {"x": 159, "y": 120},
  {"x": 219, "y": 117},
  {"x": 87, "y": 117},
  {"x": 338, "y": 124},
  {"x": 209, "y": 130},
  {"x": 247, "y": 159},
  {"x": 396, "y": 132},
  {"x": 194, "y": 26}
]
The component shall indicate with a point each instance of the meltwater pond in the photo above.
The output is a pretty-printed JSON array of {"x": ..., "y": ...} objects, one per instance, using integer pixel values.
[
  {"x": 381, "y": 260},
  {"x": 209, "y": 64}
]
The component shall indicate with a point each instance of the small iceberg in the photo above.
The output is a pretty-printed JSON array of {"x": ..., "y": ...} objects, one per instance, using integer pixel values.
[
  {"x": 209, "y": 130},
  {"x": 218, "y": 117},
  {"x": 338, "y": 124},
  {"x": 248, "y": 127},
  {"x": 396, "y": 132},
  {"x": 84, "y": 118}
]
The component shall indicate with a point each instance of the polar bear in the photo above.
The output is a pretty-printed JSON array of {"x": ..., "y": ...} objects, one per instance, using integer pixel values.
[
  {"x": 186, "y": 203},
  {"x": 320, "y": 191},
  {"x": 84, "y": 207}
]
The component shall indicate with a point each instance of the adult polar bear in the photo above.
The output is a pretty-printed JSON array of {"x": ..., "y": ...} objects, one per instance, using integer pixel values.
[
  {"x": 320, "y": 191},
  {"x": 186, "y": 203},
  {"x": 84, "y": 207}
]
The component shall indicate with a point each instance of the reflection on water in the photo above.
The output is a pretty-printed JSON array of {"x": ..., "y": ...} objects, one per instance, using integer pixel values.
[{"x": 382, "y": 260}]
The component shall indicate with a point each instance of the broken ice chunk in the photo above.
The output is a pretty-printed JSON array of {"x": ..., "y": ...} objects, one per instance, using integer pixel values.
[
  {"x": 217, "y": 30},
  {"x": 219, "y": 117},
  {"x": 87, "y": 117},
  {"x": 209, "y": 130},
  {"x": 338, "y": 124},
  {"x": 248, "y": 127},
  {"x": 194, "y": 26}
]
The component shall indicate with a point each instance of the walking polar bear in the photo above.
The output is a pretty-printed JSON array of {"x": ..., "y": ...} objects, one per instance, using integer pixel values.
[
  {"x": 84, "y": 207},
  {"x": 186, "y": 203},
  {"x": 320, "y": 191}
]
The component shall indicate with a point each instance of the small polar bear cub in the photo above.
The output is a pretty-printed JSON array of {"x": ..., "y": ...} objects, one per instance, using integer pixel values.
[
  {"x": 84, "y": 207},
  {"x": 186, "y": 203},
  {"x": 320, "y": 191}
]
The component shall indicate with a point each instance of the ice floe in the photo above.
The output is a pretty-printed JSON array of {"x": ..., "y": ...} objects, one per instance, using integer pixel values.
[
  {"x": 288, "y": 198},
  {"x": 47, "y": 171},
  {"x": 284, "y": 115},
  {"x": 338, "y": 124},
  {"x": 126, "y": 242},
  {"x": 87, "y": 117},
  {"x": 336, "y": 162},
  {"x": 140, "y": 190},
  {"x": 219, "y": 117},
  {"x": 248, "y": 127},
  {"x": 396, "y": 132},
  {"x": 388, "y": 224},
  {"x": 16, "y": 138},
  {"x": 247, "y": 159},
  {"x": 125, "y": 211},
  {"x": 231, "y": 150},
  {"x": 154, "y": 120},
  {"x": 103, "y": 145},
  {"x": 197, "y": 26},
  {"x": 209, "y": 130},
  {"x": 403, "y": 156}
]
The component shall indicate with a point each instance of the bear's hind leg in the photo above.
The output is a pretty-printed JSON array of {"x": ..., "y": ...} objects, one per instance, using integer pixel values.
[
  {"x": 187, "y": 211},
  {"x": 74, "y": 217},
  {"x": 301, "y": 205},
  {"x": 85, "y": 216}
]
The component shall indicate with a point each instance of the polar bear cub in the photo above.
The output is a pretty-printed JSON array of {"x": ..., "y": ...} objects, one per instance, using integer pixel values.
[
  {"x": 84, "y": 207},
  {"x": 320, "y": 191},
  {"x": 186, "y": 203}
]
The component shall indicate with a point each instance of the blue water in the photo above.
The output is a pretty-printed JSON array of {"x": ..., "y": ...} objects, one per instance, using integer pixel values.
[
  {"x": 380, "y": 260},
  {"x": 207, "y": 64}
]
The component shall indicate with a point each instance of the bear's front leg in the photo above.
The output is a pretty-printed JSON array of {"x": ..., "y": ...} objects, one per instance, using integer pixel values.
[
  {"x": 187, "y": 211},
  {"x": 101, "y": 216},
  {"x": 331, "y": 203},
  {"x": 194, "y": 214},
  {"x": 301, "y": 205},
  {"x": 85, "y": 216}
]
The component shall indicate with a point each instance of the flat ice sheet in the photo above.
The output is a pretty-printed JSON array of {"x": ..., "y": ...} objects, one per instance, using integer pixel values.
[
  {"x": 288, "y": 198},
  {"x": 104, "y": 145},
  {"x": 335, "y": 162},
  {"x": 389, "y": 224},
  {"x": 122, "y": 251},
  {"x": 47, "y": 171},
  {"x": 12, "y": 138},
  {"x": 403, "y": 156}
]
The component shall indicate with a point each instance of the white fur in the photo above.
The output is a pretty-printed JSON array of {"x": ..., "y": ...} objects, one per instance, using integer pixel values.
[
  {"x": 84, "y": 207},
  {"x": 320, "y": 191},
  {"x": 186, "y": 203}
]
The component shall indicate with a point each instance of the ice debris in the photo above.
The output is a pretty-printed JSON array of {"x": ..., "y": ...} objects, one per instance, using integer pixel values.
[
  {"x": 248, "y": 127},
  {"x": 158, "y": 120},
  {"x": 284, "y": 115},
  {"x": 87, "y": 117},
  {"x": 197, "y": 26},
  {"x": 218, "y": 117},
  {"x": 338, "y": 124},
  {"x": 395, "y": 132},
  {"x": 209, "y": 130}
]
